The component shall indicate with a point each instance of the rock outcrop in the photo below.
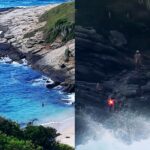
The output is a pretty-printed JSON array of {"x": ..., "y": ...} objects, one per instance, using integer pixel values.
[
  {"x": 16, "y": 24},
  {"x": 107, "y": 57},
  {"x": 100, "y": 60}
]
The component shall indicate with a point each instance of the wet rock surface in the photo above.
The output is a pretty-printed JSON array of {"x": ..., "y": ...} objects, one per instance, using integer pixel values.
[{"x": 112, "y": 66}]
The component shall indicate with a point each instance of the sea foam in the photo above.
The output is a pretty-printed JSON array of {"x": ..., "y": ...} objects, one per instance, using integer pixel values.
[{"x": 133, "y": 135}]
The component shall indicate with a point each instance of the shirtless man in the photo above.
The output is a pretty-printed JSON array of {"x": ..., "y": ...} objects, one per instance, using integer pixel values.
[{"x": 138, "y": 60}]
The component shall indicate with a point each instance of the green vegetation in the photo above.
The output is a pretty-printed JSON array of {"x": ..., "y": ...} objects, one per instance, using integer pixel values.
[
  {"x": 12, "y": 137},
  {"x": 12, "y": 143},
  {"x": 60, "y": 22}
]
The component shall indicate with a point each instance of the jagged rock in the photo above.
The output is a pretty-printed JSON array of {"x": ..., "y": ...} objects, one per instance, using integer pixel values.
[
  {"x": 56, "y": 45},
  {"x": 117, "y": 38},
  {"x": 16, "y": 45},
  {"x": 3, "y": 40},
  {"x": 12, "y": 40},
  {"x": 8, "y": 36},
  {"x": 51, "y": 86},
  {"x": 70, "y": 88},
  {"x": 146, "y": 88},
  {"x": 1, "y": 34},
  {"x": 62, "y": 66},
  {"x": 4, "y": 46},
  {"x": 16, "y": 56},
  {"x": 30, "y": 43},
  {"x": 129, "y": 90}
]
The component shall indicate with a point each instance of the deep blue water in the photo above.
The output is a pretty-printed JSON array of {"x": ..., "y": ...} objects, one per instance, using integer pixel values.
[
  {"x": 24, "y": 3},
  {"x": 22, "y": 92}
]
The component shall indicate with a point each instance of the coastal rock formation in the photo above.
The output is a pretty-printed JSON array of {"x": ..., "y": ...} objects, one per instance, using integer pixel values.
[
  {"x": 16, "y": 25},
  {"x": 105, "y": 48},
  {"x": 102, "y": 51},
  {"x": 112, "y": 66}
]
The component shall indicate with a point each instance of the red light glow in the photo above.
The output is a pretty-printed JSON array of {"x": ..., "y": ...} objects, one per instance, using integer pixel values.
[{"x": 111, "y": 102}]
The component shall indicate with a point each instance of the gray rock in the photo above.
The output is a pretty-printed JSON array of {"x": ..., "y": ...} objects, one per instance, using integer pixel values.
[
  {"x": 30, "y": 43},
  {"x": 16, "y": 45},
  {"x": 129, "y": 90},
  {"x": 3, "y": 40},
  {"x": 56, "y": 45},
  {"x": 12, "y": 40},
  {"x": 117, "y": 38},
  {"x": 1, "y": 34},
  {"x": 8, "y": 36},
  {"x": 146, "y": 88}
]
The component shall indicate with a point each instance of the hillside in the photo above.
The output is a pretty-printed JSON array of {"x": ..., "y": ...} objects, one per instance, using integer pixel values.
[
  {"x": 60, "y": 22},
  {"x": 42, "y": 35}
]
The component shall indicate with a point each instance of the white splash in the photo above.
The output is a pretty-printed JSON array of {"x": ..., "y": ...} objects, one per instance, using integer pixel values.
[
  {"x": 69, "y": 99},
  {"x": 24, "y": 62},
  {"x": 5, "y": 60},
  {"x": 132, "y": 132},
  {"x": 42, "y": 81}
]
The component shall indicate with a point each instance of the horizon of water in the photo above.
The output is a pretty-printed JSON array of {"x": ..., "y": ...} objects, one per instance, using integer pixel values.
[
  {"x": 26, "y": 3},
  {"x": 22, "y": 92},
  {"x": 132, "y": 132}
]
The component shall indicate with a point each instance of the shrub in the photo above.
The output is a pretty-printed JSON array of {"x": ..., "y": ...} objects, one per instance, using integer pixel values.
[
  {"x": 60, "y": 22},
  {"x": 10, "y": 128},
  {"x": 12, "y": 143},
  {"x": 42, "y": 136}
]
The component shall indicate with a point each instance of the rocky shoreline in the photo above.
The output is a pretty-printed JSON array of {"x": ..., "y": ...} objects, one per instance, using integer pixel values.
[
  {"x": 114, "y": 74},
  {"x": 47, "y": 58}
]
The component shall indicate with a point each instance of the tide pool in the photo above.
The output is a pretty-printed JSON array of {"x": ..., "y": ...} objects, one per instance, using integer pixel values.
[
  {"x": 22, "y": 92},
  {"x": 25, "y": 3}
]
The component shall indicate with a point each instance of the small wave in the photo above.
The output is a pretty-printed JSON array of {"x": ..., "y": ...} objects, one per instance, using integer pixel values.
[
  {"x": 69, "y": 99},
  {"x": 5, "y": 60},
  {"x": 59, "y": 87},
  {"x": 24, "y": 62},
  {"x": 41, "y": 81},
  {"x": 16, "y": 64},
  {"x": 56, "y": 122}
]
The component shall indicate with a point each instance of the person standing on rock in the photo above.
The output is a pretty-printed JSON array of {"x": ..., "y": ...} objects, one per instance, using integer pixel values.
[
  {"x": 66, "y": 55},
  {"x": 138, "y": 60},
  {"x": 111, "y": 102},
  {"x": 99, "y": 87}
]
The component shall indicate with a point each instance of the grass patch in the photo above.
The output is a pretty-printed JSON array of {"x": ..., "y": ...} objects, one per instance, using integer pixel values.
[{"x": 60, "y": 22}]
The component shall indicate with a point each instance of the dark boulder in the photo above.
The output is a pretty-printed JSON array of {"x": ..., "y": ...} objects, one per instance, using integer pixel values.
[
  {"x": 70, "y": 88},
  {"x": 53, "y": 85}
]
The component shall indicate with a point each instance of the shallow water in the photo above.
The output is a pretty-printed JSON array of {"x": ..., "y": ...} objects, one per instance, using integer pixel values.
[
  {"x": 22, "y": 92},
  {"x": 24, "y": 3}
]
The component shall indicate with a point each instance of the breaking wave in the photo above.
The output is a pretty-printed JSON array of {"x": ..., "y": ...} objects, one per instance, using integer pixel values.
[{"x": 124, "y": 131}]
